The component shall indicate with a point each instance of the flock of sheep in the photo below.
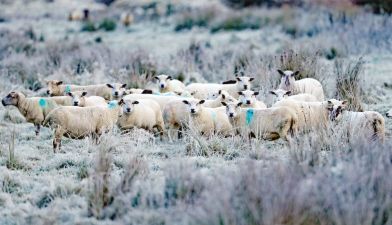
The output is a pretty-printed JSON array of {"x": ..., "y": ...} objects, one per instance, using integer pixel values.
[{"x": 226, "y": 109}]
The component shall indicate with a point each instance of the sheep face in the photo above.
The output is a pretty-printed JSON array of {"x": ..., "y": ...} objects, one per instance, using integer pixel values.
[
  {"x": 194, "y": 106},
  {"x": 389, "y": 114},
  {"x": 54, "y": 87},
  {"x": 78, "y": 99},
  {"x": 248, "y": 97},
  {"x": 244, "y": 83},
  {"x": 288, "y": 77},
  {"x": 280, "y": 94},
  {"x": 11, "y": 99},
  {"x": 335, "y": 109},
  {"x": 127, "y": 106},
  {"x": 118, "y": 90},
  {"x": 163, "y": 80},
  {"x": 232, "y": 109}
]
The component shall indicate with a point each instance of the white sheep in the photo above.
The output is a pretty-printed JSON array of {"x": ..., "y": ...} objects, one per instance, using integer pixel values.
[
  {"x": 269, "y": 124},
  {"x": 176, "y": 116},
  {"x": 389, "y": 114},
  {"x": 81, "y": 99},
  {"x": 248, "y": 99},
  {"x": 311, "y": 115},
  {"x": 203, "y": 90},
  {"x": 76, "y": 15},
  {"x": 34, "y": 109},
  {"x": 182, "y": 93},
  {"x": 162, "y": 100},
  {"x": 281, "y": 94},
  {"x": 145, "y": 114},
  {"x": 208, "y": 121},
  {"x": 369, "y": 124},
  {"x": 307, "y": 85},
  {"x": 168, "y": 84},
  {"x": 108, "y": 91},
  {"x": 79, "y": 122}
]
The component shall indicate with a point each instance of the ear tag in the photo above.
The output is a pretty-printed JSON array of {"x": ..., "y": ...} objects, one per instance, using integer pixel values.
[
  {"x": 249, "y": 116},
  {"x": 112, "y": 104},
  {"x": 42, "y": 103},
  {"x": 67, "y": 89}
]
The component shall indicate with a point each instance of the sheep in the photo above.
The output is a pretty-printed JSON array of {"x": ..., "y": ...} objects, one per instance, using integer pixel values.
[
  {"x": 182, "y": 93},
  {"x": 311, "y": 115},
  {"x": 168, "y": 84},
  {"x": 248, "y": 99},
  {"x": 79, "y": 122},
  {"x": 162, "y": 100},
  {"x": 389, "y": 114},
  {"x": 281, "y": 94},
  {"x": 369, "y": 124},
  {"x": 127, "y": 19},
  {"x": 34, "y": 109},
  {"x": 79, "y": 15},
  {"x": 208, "y": 121},
  {"x": 81, "y": 99},
  {"x": 108, "y": 91},
  {"x": 269, "y": 124},
  {"x": 138, "y": 91},
  {"x": 307, "y": 85},
  {"x": 175, "y": 113},
  {"x": 140, "y": 114},
  {"x": 202, "y": 90}
]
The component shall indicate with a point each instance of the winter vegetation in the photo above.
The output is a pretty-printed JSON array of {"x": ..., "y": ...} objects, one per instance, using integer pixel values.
[{"x": 319, "y": 170}]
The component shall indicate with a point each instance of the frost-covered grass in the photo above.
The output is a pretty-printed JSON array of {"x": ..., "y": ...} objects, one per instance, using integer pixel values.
[{"x": 138, "y": 179}]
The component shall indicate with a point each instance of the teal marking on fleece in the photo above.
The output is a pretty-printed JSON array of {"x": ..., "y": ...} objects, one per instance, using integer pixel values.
[
  {"x": 213, "y": 115},
  {"x": 67, "y": 89},
  {"x": 249, "y": 116},
  {"x": 43, "y": 103},
  {"x": 112, "y": 104}
]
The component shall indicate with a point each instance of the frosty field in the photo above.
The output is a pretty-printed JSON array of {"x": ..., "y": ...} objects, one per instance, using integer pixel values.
[{"x": 135, "y": 178}]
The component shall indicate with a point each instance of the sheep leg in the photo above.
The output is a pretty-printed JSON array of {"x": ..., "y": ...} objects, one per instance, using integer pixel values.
[
  {"x": 37, "y": 129},
  {"x": 58, "y": 134},
  {"x": 179, "y": 133}
]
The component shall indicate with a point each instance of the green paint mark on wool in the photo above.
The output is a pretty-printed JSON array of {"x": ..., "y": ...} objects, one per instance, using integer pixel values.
[
  {"x": 43, "y": 103},
  {"x": 67, "y": 89},
  {"x": 249, "y": 116},
  {"x": 213, "y": 115}
]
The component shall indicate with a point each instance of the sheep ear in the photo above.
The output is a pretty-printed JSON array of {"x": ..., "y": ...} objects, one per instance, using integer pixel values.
[
  {"x": 123, "y": 85},
  {"x": 59, "y": 83},
  {"x": 251, "y": 79},
  {"x": 170, "y": 78},
  {"x": 344, "y": 104},
  {"x": 84, "y": 93},
  {"x": 69, "y": 94},
  {"x": 121, "y": 102},
  {"x": 288, "y": 92},
  {"x": 219, "y": 92},
  {"x": 135, "y": 102},
  {"x": 156, "y": 77},
  {"x": 202, "y": 101},
  {"x": 238, "y": 79},
  {"x": 239, "y": 103},
  {"x": 224, "y": 103},
  {"x": 256, "y": 93},
  {"x": 295, "y": 73},
  {"x": 109, "y": 85},
  {"x": 177, "y": 93},
  {"x": 281, "y": 72},
  {"x": 240, "y": 92},
  {"x": 272, "y": 92},
  {"x": 223, "y": 96},
  {"x": 147, "y": 91},
  {"x": 185, "y": 102}
]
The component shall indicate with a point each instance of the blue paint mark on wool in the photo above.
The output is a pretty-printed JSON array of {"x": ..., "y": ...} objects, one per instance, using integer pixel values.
[
  {"x": 213, "y": 115},
  {"x": 43, "y": 103},
  {"x": 67, "y": 89},
  {"x": 112, "y": 104},
  {"x": 249, "y": 116}
]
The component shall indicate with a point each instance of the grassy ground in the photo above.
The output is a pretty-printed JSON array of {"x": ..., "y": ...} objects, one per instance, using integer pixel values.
[{"x": 137, "y": 179}]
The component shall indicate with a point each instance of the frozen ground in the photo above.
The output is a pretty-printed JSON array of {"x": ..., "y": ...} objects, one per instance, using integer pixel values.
[{"x": 137, "y": 179}]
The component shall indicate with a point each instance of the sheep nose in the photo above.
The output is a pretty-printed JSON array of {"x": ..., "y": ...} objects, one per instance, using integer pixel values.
[
  {"x": 231, "y": 115},
  {"x": 248, "y": 102},
  {"x": 245, "y": 87},
  {"x": 76, "y": 103},
  {"x": 116, "y": 93},
  {"x": 162, "y": 86},
  {"x": 128, "y": 110},
  {"x": 193, "y": 111}
]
